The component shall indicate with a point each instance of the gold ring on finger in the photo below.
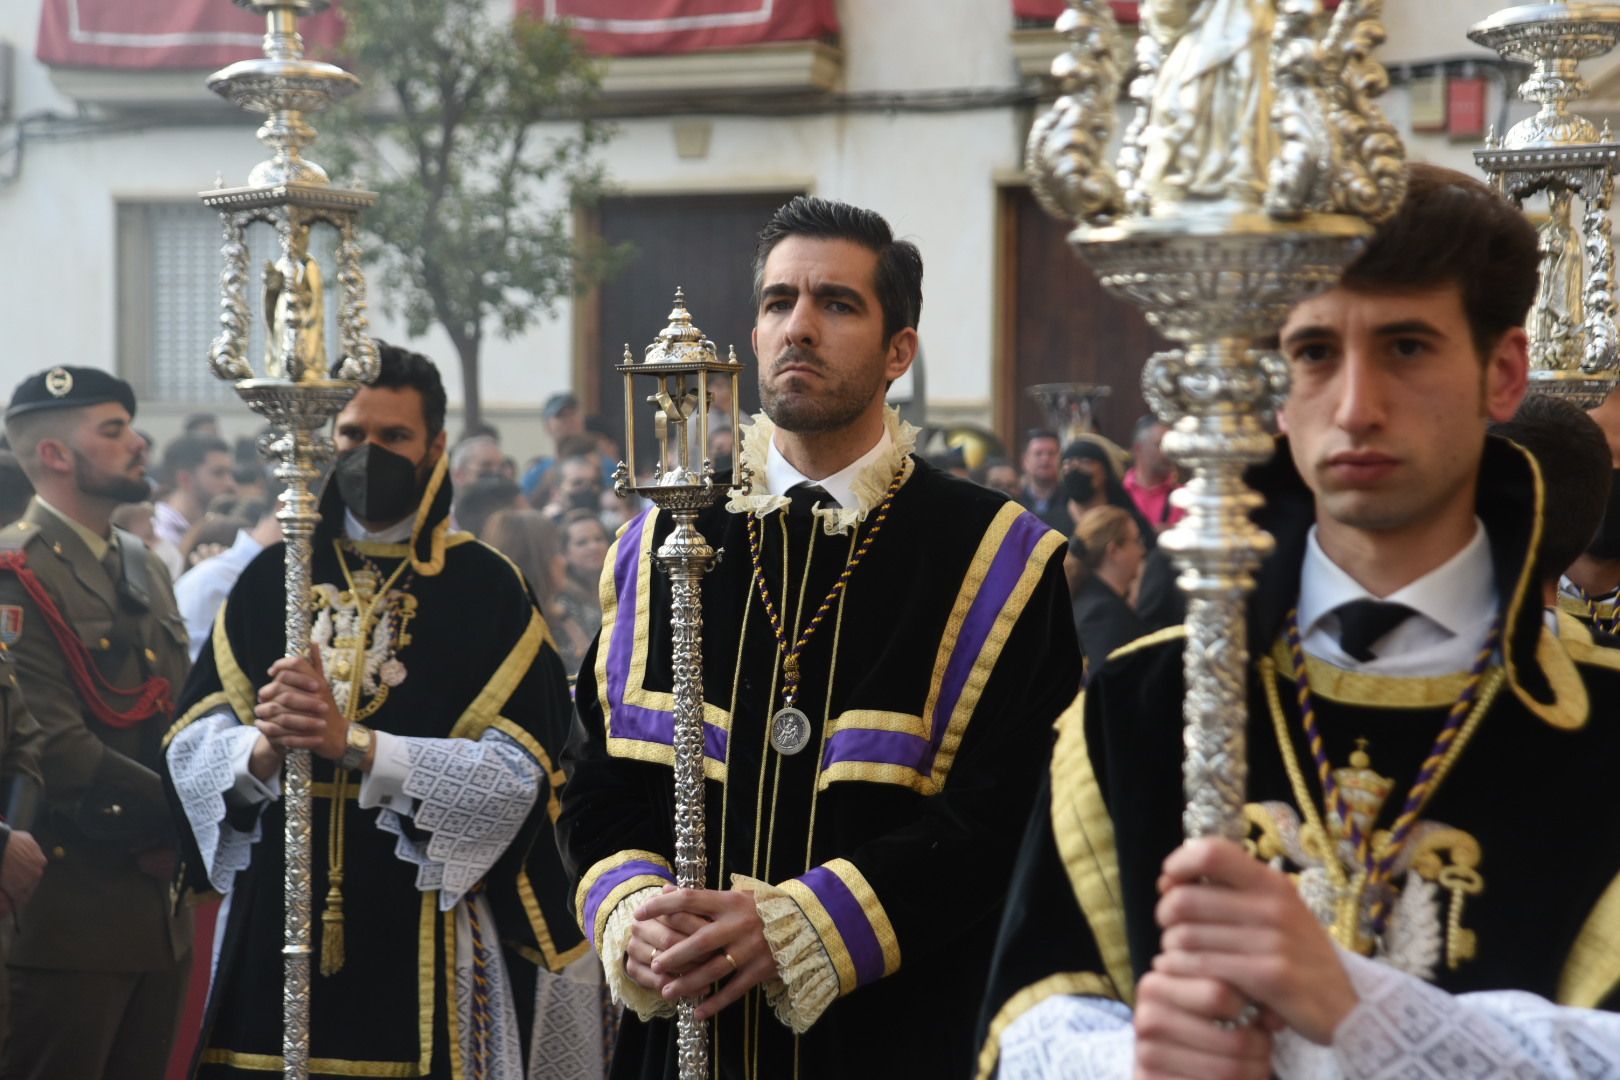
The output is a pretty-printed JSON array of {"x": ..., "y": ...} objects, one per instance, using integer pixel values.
[
  {"x": 1245, "y": 1018},
  {"x": 732, "y": 960}
]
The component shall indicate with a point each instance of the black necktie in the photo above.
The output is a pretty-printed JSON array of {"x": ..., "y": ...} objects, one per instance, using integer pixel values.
[
  {"x": 1362, "y": 622},
  {"x": 803, "y": 497}
]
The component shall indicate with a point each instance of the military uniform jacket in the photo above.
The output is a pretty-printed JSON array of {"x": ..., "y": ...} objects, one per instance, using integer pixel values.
[
  {"x": 930, "y": 688},
  {"x": 1511, "y": 879},
  {"x": 95, "y": 909},
  {"x": 474, "y": 657}
]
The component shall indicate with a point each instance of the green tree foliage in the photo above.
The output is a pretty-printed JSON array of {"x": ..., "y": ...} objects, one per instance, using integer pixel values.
[{"x": 474, "y": 130}]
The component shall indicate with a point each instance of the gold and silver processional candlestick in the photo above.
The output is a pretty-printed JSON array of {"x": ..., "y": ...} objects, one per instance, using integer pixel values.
[
  {"x": 292, "y": 195},
  {"x": 679, "y": 368},
  {"x": 1245, "y": 181},
  {"x": 1573, "y": 338}
]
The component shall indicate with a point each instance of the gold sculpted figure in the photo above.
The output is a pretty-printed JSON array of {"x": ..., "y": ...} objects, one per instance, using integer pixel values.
[
  {"x": 294, "y": 311},
  {"x": 1555, "y": 320},
  {"x": 1209, "y": 134}
]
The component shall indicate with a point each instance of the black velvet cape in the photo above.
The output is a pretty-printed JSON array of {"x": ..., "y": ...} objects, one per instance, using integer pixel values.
[
  {"x": 479, "y": 657},
  {"x": 955, "y": 651},
  {"x": 1531, "y": 793}
]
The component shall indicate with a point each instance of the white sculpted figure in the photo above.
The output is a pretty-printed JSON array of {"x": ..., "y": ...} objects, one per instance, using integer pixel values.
[{"x": 1209, "y": 133}]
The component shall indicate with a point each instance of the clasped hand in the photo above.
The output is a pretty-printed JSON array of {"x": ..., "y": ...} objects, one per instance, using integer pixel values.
[
  {"x": 1235, "y": 932},
  {"x": 296, "y": 710},
  {"x": 684, "y": 941}
]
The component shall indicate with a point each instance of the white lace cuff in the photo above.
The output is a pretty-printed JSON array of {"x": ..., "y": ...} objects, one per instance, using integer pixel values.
[
  {"x": 207, "y": 762},
  {"x": 807, "y": 981},
  {"x": 1069, "y": 1037},
  {"x": 645, "y": 1003},
  {"x": 1406, "y": 1028},
  {"x": 472, "y": 798}
]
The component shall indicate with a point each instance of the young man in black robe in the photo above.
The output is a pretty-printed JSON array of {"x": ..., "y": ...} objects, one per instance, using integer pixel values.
[
  {"x": 1429, "y": 883},
  {"x": 435, "y": 708},
  {"x": 858, "y": 857}
]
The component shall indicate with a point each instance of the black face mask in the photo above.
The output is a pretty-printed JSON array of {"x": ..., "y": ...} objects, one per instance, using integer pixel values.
[
  {"x": 1606, "y": 543},
  {"x": 378, "y": 486},
  {"x": 585, "y": 500},
  {"x": 1079, "y": 486}
]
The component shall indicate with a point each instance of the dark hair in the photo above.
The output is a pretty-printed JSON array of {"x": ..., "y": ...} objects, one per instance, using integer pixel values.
[
  {"x": 898, "y": 281},
  {"x": 483, "y": 427},
  {"x": 15, "y": 488},
  {"x": 198, "y": 420},
  {"x": 576, "y": 446},
  {"x": 400, "y": 368},
  {"x": 1452, "y": 229},
  {"x": 189, "y": 451},
  {"x": 1573, "y": 454},
  {"x": 1040, "y": 433},
  {"x": 1144, "y": 424},
  {"x": 478, "y": 500}
]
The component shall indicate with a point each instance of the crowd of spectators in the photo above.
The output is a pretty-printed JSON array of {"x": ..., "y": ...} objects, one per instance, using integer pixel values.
[{"x": 213, "y": 510}]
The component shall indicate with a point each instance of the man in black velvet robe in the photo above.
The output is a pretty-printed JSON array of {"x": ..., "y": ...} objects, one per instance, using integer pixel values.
[
  {"x": 435, "y": 715},
  {"x": 1428, "y": 887},
  {"x": 856, "y": 863}
]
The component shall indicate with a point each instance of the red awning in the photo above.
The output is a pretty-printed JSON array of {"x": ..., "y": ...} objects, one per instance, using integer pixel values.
[
  {"x": 1126, "y": 11},
  {"x": 656, "y": 27},
  {"x": 147, "y": 34}
]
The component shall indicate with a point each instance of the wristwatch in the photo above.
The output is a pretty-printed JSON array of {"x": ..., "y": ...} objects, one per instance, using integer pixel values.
[{"x": 359, "y": 745}]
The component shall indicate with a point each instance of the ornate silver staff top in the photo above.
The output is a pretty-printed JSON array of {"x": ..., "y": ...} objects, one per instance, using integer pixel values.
[
  {"x": 681, "y": 364},
  {"x": 1245, "y": 180},
  {"x": 292, "y": 195},
  {"x": 1574, "y": 347}
]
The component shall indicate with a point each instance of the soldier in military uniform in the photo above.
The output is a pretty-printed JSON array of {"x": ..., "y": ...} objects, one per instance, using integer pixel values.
[
  {"x": 21, "y": 861},
  {"x": 98, "y": 967}
]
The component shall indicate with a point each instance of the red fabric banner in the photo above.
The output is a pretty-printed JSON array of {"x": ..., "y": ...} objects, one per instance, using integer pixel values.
[
  {"x": 657, "y": 27},
  {"x": 149, "y": 34},
  {"x": 1126, "y": 11}
]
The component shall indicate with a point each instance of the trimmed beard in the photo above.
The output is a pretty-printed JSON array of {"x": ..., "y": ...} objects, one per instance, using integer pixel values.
[
  {"x": 118, "y": 489},
  {"x": 804, "y": 414}
]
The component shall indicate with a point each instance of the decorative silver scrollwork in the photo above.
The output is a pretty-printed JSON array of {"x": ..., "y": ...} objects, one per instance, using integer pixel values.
[
  {"x": 1066, "y": 147},
  {"x": 227, "y": 357}
]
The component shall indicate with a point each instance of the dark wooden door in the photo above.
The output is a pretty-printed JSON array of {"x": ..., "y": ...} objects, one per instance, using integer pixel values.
[
  {"x": 1058, "y": 325},
  {"x": 702, "y": 243}
]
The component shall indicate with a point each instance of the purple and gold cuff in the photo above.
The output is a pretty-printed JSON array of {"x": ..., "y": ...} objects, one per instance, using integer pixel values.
[
  {"x": 610, "y": 881},
  {"x": 850, "y": 921}
]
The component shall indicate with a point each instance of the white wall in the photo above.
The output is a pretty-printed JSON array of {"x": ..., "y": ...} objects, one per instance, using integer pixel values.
[{"x": 932, "y": 175}]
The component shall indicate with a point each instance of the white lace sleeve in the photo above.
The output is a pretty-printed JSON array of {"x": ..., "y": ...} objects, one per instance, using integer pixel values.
[
  {"x": 1069, "y": 1037},
  {"x": 471, "y": 797},
  {"x": 1406, "y": 1028},
  {"x": 208, "y": 763}
]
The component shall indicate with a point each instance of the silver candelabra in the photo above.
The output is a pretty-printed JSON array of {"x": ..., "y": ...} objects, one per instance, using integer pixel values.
[
  {"x": 1245, "y": 180},
  {"x": 681, "y": 365},
  {"x": 1574, "y": 346},
  {"x": 292, "y": 195}
]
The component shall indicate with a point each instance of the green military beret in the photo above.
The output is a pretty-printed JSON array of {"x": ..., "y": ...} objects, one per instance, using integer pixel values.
[{"x": 69, "y": 388}]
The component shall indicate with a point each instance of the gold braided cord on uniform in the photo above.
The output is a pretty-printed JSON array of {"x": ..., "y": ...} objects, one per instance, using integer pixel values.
[{"x": 334, "y": 952}]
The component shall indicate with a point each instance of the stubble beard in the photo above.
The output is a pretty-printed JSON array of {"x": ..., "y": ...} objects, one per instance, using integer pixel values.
[
  {"x": 117, "y": 489},
  {"x": 840, "y": 405}
]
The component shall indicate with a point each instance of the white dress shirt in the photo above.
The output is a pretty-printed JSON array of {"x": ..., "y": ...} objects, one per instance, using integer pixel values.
[
  {"x": 781, "y": 477},
  {"x": 1454, "y": 604},
  {"x": 202, "y": 589}
]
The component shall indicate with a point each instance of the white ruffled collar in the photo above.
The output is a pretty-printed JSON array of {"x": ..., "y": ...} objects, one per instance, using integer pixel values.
[{"x": 867, "y": 488}]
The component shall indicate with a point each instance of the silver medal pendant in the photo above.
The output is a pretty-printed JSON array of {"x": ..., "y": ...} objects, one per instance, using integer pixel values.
[{"x": 790, "y": 731}]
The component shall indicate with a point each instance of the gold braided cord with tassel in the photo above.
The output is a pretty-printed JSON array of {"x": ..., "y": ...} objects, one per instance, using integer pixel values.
[{"x": 332, "y": 945}]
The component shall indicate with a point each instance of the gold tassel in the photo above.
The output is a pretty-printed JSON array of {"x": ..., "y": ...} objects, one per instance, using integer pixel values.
[{"x": 332, "y": 954}]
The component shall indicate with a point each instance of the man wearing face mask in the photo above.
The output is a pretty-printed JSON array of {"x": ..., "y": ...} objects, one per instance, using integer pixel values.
[{"x": 436, "y": 880}]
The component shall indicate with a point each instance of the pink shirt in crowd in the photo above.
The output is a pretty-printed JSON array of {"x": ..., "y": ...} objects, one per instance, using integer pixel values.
[{"x": 1154, "y": 501}]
